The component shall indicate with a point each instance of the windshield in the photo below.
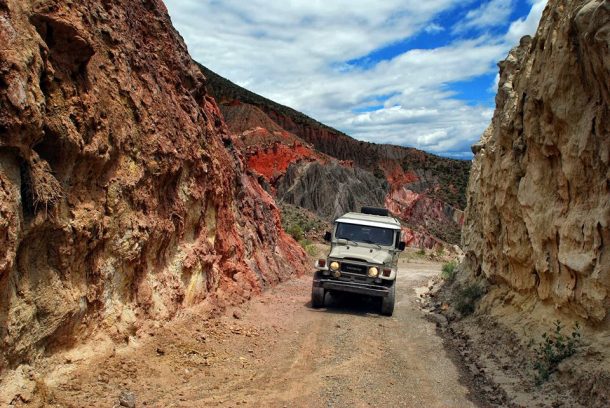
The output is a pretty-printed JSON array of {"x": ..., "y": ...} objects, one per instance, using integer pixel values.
[{"x": 364, "y": 233}]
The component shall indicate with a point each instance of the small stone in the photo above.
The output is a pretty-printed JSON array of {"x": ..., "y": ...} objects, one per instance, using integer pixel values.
[
  {"x": 160, "y": 351},
  {"x": 237, "y": 314},
  {"x": 127, "y": 399},
  {"x": 439, "y": 319}
]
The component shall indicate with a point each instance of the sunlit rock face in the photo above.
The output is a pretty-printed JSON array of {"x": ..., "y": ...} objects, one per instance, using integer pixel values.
[
  {"x": 122, "y": 198},
  {"x": 538, "y": 209}
]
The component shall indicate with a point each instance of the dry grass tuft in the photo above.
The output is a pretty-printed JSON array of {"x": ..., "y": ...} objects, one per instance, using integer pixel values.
[{"x": 43, "y": 187}]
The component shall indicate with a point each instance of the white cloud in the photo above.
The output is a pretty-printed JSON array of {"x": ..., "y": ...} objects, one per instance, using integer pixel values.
[
  {"x": 434, "y": 28},
  {"x": 490, "y": 14},
  {"x": 527, "y": 25},
  {"x": 297, "y": 54}
]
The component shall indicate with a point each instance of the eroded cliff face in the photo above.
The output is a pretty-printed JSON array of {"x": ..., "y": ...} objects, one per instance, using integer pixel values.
[
  {"x": 332, "y": 189},
  {"x": 538, "y": 210},
  {"x": 122, "y": 198}
]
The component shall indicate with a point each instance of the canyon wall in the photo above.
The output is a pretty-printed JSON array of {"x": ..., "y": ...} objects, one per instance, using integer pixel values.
[
  {"x": 122, "y": 197},
  {"x": 538, "y": 213}
]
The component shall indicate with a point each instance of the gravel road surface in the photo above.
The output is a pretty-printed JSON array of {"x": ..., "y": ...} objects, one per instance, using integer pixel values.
[{"x": 276, "y": 351}]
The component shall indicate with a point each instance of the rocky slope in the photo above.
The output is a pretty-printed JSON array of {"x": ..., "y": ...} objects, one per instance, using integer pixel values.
[
  {"x": 537, "y": 224},
  {"x": 310, "y": 184},
  {"x": 303, "y": 160},
  {"x": 122, "y": 198}
]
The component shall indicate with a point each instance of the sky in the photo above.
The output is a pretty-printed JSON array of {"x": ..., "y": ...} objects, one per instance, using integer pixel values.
[{"x": 418, "y": 73}]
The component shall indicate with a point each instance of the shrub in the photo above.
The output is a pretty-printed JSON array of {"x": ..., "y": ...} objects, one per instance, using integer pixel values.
[
  {"x": 309, "y": 247},
  {"x": 449, "y": 271},
  {"x": 466, "y": 298},
  {"x": 378, "y": 173},
  {"x": 296, "y": 231},
  {"x": 298, "y": 223},
  {"x": 554, "y": 348}
]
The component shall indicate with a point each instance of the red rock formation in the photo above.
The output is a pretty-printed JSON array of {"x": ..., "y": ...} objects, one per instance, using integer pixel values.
[
  {"x": 268, "y": 148},
  {"x": 396, "y": 176},
  {"x": 440, "y": 221},
  {"x": 420, "y": 239},
  {"x": 121, "y": 196},
  {"x": 272, "y": 162}
]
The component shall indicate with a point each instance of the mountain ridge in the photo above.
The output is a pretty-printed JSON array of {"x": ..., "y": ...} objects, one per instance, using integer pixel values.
[
  {"x": 426, "y": 191},
  {"x": 365, "y": 154}
]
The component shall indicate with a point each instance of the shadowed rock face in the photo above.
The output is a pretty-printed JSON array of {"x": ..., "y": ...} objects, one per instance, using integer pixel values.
[
  {"x": 121, "y": 196},
  {"x": 331, "y": 190},
  {"x": 538, "y": 215}
]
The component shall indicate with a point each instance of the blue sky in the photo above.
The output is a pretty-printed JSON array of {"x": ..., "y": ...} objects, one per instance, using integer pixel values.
[{"x": 407, "y": 72}]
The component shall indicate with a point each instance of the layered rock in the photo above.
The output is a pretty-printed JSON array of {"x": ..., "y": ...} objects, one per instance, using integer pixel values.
[
  {"x": 122, "y": 198},
  {"x": 538, "y": 210}
]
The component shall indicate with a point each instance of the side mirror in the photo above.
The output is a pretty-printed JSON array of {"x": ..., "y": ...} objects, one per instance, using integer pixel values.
[
  {"x": 401, "y": 246},
  {"x": 328, "y": 236}
]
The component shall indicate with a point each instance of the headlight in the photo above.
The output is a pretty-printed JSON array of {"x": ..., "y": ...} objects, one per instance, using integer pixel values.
[
  {"x": 373, "y": 272},
  {"x": 334, "y": 266}
]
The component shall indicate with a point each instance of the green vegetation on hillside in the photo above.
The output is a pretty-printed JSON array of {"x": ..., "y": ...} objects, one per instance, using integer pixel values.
[
  {"x": 449, "y": 271},
  {"x": 466, "y": 298},
  {"x": 451, "y": 176},
  {"x": 300, "y": 223},
  {"x": 303, "y": 226}
]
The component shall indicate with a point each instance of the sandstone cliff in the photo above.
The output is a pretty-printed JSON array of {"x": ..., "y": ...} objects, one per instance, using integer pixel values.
[
  {"x": 121, "y": 195},
  {"x": 538, "y": 215}
]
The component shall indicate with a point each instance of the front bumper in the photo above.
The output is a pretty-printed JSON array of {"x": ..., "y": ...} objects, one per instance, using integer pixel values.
[{"x": 351, "y": 287}]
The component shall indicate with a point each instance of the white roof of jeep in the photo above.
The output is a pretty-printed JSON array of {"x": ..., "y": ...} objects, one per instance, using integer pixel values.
[{"x": 369, "y": 220}]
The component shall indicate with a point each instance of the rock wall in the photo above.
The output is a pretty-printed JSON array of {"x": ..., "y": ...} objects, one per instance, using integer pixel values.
[
  {"x": 538, "y": 214},
  {"x": 122, "y": 198}
]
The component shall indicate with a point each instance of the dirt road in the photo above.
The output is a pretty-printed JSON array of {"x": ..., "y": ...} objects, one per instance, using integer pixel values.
[{"x": 276, "y": 351}]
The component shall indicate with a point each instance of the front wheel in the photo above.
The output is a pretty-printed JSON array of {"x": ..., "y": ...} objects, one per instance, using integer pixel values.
[
  {"x": 387, "y": 302},
  {"x": 317, "y": 297}
]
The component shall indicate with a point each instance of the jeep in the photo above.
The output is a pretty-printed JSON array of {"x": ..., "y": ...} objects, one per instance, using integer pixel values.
[{"x": 363, "y": 258}]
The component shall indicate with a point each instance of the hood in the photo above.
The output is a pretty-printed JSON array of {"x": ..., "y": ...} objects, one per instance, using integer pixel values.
[{"x": 363, "y": 253}]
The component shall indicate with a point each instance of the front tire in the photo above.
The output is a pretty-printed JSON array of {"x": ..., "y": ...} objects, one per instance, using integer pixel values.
[
  {"x": 317, "y": 297},
  {"x": 387, "y": 302}
]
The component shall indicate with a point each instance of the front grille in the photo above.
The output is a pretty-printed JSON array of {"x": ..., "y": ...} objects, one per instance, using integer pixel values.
[{"x": 353, "y": 268}]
